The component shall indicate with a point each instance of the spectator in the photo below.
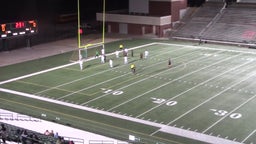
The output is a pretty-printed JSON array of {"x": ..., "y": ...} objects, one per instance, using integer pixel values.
[
  {"x": 3, "y": 133},
  {"x": 56, "y": 135},
  {"x": 35, "y": 139},
  {"x": 51, "y": 133},
  {"x": 24, "y": 136},
  {"x": 46, "y": 132},
  {"x": 58, "y": 140}
]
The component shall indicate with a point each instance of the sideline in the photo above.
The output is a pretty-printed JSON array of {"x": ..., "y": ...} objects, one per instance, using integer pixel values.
[{"x": 162, "y": 127}]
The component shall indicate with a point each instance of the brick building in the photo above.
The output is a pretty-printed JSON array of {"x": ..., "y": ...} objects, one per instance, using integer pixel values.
[{"x": 144, "y": 17}]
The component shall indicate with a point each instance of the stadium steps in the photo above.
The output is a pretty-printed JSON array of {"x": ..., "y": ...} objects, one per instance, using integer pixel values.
[
  {"x": 237, "y": 24},
  {"x": 200, "y": 19}
]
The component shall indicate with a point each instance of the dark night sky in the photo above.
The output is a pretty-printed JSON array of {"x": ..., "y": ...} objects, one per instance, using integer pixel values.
[{"x": 16, "y": 10}]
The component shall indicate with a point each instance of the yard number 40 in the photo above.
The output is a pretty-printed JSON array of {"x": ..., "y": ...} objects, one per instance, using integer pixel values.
[{"x": 113, "y": 92}]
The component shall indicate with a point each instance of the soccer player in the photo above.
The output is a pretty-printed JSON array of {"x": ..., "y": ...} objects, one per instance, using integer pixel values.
[
  {"x": 102, "y": 51},
  {"x": 125, "y": 60},
  {"x": 117, "y": 54},
  {"x": 169, "y": 63},
  {"x": 96, "y": 54},
  {"x": 121, "y": 47},
  {"x": 102, "y": 58},
  {"x": 81, "y": 64},
  {"x": 125, "y": 52},
  {"x": 133, "y": 68},
  {"x": 111, "y": 63},
  {"x": 146, "y": 54},
  {"x": 131, "y": 53},
  {"x": 141, "y": 55}
]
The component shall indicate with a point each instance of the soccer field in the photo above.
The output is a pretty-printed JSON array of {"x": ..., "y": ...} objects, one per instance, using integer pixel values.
[{"x": 207, "y": 96}]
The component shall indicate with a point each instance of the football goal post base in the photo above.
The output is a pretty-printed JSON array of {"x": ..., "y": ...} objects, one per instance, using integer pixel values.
[{"x": 86, "y": 51}]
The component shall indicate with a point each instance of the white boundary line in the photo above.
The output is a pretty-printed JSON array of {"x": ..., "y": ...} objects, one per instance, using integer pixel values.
[
  {"x": 37, "y": 73},
  {"x": 164, "y": 128},
  {"x": 55, "y": 68}
]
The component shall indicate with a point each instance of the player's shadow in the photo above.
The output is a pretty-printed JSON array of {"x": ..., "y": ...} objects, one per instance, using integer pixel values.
[
  {"x": 87, "y": 66},
  {"x": 131, "y": 61},
  {"x": 116, "y": 65}
]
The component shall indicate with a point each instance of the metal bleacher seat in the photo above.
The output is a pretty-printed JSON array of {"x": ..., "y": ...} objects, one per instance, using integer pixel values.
[
  {"x": 14, "y": 135},
  {"x": 236, "y": 24}
]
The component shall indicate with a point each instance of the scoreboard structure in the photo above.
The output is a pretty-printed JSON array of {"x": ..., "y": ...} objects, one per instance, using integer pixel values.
[{"x": 19, "y": 28}]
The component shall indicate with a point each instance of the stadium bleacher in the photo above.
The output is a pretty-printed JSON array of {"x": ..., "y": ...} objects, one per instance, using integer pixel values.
[
  {"x": 199, "y": 20},
  {"x": 35, "y": 128},
  {"x": 235, "y": 24}
]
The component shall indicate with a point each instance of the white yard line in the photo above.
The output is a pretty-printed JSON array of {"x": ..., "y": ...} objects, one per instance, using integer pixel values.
[
  {"x": 229, "y": 113},
  {"x": 202, "y": 83},
  {"x": 107, "y": 80},
  {"x": 165, "y": 128},
  {"x": 248, "y": 136},
  {"x": 91, "y": 86},
  {"x": 144, "y": 80},
  {"x": 93, "y": 74},
  {"x": 228, "y": 88},
  {"x": 76, "y": 80},
  {"x": 169, "y": 83}
]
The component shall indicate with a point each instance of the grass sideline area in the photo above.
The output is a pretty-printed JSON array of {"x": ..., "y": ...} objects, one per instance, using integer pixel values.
[{"x": 208, "y": 91}]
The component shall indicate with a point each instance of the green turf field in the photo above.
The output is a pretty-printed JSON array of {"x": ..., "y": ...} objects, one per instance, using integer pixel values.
[{"x": 208, "y": 95}]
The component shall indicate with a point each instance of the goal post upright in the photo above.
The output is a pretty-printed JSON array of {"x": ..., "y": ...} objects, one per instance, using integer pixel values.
[
  {"x": 84, "y": 47},
  {"x": 78, "y": 24},
  {"x": 103, "y": 22}
]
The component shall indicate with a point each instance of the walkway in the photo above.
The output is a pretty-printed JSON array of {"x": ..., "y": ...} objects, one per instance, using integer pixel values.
[{"x": 40, "y": 126}]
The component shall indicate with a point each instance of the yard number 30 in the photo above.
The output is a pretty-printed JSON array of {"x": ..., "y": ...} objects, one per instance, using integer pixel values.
[{"x": 160, "y": 100}]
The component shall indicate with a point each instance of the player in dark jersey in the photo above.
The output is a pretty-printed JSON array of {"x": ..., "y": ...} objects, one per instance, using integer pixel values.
[{"x": 169, "y": 63}]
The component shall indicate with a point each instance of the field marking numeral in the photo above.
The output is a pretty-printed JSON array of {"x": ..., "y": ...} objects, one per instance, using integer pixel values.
[
  {"x": 171, "y": 103},
  {"x": 113, "y": 92},
  {"x": 223, "y": 113},
  {"x": 160, "y": 100}
]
